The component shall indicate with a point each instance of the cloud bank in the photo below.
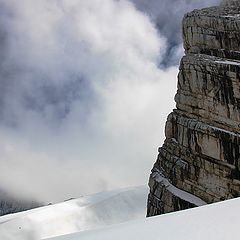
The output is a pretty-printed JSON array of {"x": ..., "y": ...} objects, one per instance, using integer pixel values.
[
  {"x": 83, "y": 100},
  {"x": 81, "y": 96}
]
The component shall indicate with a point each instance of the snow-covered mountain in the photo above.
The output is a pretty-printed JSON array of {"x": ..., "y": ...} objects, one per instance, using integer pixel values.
[{"x": 86, "y": 213}]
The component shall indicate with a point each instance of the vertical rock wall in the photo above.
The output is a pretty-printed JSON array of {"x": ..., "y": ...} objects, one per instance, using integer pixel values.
[{"x": 199, "y": 162}]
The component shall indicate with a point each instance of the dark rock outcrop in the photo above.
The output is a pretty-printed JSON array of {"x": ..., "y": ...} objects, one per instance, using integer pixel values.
[
  {"x": 10, "y": 204},
  {"x": 199, "y": 162}
]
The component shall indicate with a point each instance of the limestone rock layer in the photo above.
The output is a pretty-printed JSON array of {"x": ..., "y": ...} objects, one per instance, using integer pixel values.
[{"x": 199, "y": 162}]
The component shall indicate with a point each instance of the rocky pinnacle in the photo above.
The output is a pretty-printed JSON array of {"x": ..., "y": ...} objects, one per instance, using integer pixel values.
[{"x": 199, "y": 162}]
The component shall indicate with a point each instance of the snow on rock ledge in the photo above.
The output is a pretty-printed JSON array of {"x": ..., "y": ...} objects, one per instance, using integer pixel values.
[{"x": 201, "y": 153}]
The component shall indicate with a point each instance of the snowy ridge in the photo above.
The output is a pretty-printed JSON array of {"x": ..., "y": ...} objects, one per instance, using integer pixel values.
[
  {"x": 86, "y": 213},
  {"x": 217, "y": 221}
]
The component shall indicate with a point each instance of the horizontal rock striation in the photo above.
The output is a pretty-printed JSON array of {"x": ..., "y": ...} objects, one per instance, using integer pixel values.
[
  {"x": 213, "y": 31},
  {"x": 199, "y": 162}
]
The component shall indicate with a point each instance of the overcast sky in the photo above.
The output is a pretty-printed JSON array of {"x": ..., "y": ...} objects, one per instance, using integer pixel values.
[{"x": 86, "y": 88}]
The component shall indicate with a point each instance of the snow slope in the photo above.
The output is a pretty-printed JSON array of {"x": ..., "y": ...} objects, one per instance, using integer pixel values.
[
  {"x": 85, "y": 213},
  {"x": 218, "y": 221}
]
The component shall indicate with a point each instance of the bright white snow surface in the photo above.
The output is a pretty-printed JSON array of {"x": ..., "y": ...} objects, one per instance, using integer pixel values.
[
  {"x": 90, "y": 212},
  {"x": 218, "y": 221}
]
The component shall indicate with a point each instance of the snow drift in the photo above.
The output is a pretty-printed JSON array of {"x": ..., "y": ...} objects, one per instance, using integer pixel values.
[
  {"x": 217, "y": 221},
  {"x": 76, "y": 215}
]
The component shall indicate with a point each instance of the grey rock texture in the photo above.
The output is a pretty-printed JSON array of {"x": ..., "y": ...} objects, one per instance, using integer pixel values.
[
  {"x": 199, "y": 162},
  {"x": 230, "y": 3}
]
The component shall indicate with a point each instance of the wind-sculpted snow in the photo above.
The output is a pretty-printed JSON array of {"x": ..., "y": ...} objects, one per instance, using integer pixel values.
[
  {"x": 212, "y": 222},
  {"x": 215, "y": 221},
  {"x": 86, "y": 213}
]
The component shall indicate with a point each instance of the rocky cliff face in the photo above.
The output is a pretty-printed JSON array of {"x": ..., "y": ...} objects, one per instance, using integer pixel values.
[{"x": 199, "y": 162}]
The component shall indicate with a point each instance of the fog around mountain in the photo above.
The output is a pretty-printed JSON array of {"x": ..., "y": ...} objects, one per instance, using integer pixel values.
[{"x": 85, "y": 91}]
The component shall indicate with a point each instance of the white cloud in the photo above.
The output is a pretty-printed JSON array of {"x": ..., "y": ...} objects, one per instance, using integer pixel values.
[{"x": 82, "y": 100}]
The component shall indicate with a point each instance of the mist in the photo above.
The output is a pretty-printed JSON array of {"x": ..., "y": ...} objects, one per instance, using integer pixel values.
[
  {"x": 86, "y": 88},
  {"x": 167, "y": 17}
]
